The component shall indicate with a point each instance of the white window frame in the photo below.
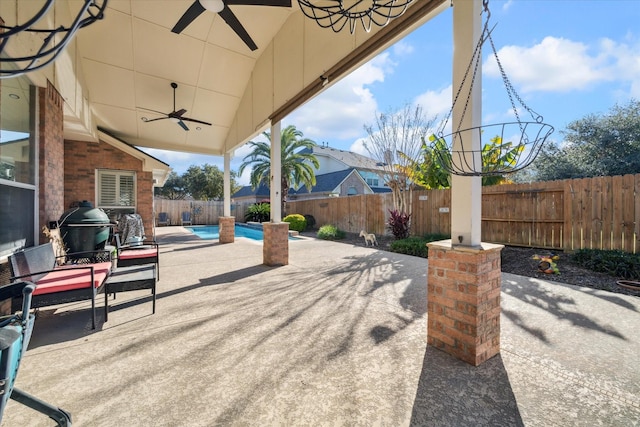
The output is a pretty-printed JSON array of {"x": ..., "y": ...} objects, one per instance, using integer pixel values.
[{"x": 118, "y": 174}]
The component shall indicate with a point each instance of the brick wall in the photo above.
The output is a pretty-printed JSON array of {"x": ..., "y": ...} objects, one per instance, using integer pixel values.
[
  {"x": 82, "y": 159},
  {"x": 51, "y": 156},
  {"x": 275, "y": 247},
  {"x": 463, "y": 304},
  {"x": 352, "y": 181},
  {"x": 227, "y": 229}
]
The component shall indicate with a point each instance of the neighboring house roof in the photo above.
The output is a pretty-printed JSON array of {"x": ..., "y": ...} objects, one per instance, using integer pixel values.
[
  {"x": 350, "y": 159},
  {"x": 326, "y": 182},
  {"x": 378, "y": 190},
  {"x": 246, "y": 191}
]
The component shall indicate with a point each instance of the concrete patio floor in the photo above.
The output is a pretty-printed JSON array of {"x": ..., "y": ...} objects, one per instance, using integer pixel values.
[{"x": 337, "y": 337}]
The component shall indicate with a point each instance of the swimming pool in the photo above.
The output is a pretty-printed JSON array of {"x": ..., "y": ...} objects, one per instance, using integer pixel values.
[{"x": 209, "y": 232}]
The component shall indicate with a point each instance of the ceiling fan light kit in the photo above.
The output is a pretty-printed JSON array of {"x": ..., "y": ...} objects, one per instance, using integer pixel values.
[
  {"x": 214, "y": 6},
  {"x": 222, "y": 9}
]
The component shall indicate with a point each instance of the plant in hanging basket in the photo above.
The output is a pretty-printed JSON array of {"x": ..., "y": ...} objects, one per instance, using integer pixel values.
[
  {"x": 496, "y": 157},
  {"x": 461, "y": 154}
]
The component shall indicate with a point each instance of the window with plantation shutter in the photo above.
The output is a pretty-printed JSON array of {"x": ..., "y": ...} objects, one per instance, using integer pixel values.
[
  {"x": 116, "y": 192},
  {"x": 108, "y": 189}
]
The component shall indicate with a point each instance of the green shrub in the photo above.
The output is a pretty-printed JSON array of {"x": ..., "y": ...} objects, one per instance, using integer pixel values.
[
  {"x": 613, "y": 262},
  {"x": 330, "y": 232},
  {"x": 416, "y": 246},
  {"x": 258, "y": 212},
  {"x": 296, "y": 222}
]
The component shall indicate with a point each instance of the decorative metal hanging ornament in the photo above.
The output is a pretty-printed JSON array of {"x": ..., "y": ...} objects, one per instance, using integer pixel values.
[
  {"x": 335, "y": 14},
  {"x": 498, "y": 155},
  {"x": 54, "y": 40}
]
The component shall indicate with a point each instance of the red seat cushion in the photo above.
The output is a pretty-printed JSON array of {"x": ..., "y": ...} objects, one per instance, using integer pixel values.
[
  {"x": 138, "y": 253},
  {"x": 66, "y": 278}
]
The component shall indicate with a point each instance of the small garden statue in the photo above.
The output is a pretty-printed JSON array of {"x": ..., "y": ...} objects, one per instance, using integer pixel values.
[{"x": 547, "y": 263}]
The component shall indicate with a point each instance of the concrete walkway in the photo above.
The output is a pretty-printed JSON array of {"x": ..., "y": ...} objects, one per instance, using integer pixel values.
[{"x": 337, "y": 337}]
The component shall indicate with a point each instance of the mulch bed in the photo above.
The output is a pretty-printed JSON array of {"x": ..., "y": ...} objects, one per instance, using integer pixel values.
[{"x": 519, "y": 260}]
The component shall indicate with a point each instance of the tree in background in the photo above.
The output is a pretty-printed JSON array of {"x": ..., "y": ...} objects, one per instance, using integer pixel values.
[
  {"x": 207, "y": 182},
  {"x": 173, "y": 188},
  {"x": 394, "y": 141},
  {"x": 298, "y": 161},
  {"x": 594, "y": 146}
]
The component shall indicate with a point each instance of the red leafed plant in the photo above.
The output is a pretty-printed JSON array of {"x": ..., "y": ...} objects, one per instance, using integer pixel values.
[{"x": 399, "y": 224}]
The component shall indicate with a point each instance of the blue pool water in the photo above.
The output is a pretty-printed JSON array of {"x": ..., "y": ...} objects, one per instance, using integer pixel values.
[{"x": 208, "y": 232}]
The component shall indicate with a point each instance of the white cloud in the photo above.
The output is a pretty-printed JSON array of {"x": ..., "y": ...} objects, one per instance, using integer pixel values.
[
  {"x": 561, "y": 65},
  {"x": 402, "y": 48},
  {"x": 507, "y": 5},
  {"x": 358, "y": 147},
  {"x": 342, "y": 110},
  {"x": 180, "y": 161},
  {"x": 245, "y": 178},
  {"x": 554, "y": 65},
  {"x": 435, "y": 103},
  {"x": 625, "y": 63},
  {"x": 167, "y": 156}
]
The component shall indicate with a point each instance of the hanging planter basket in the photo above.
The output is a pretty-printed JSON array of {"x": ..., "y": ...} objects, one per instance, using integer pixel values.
[
  {"x": 506, "y": 148},
  {"x": 503, "y": 147}
]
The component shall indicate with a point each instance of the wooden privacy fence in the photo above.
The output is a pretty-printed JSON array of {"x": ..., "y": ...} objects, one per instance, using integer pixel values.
[
  {"x": 596, "y": 213},
  {"x": 202, "y": 212}
]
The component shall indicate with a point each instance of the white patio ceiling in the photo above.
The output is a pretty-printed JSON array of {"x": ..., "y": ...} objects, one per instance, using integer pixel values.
[{"x": 121, "y": 66}]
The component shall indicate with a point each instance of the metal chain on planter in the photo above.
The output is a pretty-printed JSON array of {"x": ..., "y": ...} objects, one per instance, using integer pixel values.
[{"x": 495, "y": 157}]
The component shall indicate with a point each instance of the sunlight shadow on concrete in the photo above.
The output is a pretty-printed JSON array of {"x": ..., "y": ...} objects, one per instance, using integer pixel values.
[{"x": 453, "y": 393}]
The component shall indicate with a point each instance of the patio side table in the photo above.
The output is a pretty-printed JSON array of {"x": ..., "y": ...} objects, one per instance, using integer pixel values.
[{"x": 132, "y": 278}]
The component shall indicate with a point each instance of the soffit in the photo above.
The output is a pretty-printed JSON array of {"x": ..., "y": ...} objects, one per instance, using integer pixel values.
[{"x": 121, "y": 67}]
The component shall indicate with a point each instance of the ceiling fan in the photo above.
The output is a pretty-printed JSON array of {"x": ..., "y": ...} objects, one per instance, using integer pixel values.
[
  {"x": 175, "y": 116},
  {"x": 221, "y": 7}
]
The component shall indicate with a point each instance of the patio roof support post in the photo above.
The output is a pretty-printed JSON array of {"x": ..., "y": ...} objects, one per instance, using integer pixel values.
[
  {"x": 276, "y": 174},
  {"x": 275, "y": 247},
  {"x": 464, "y": 277},
  {"x": 227, "y": 184},
  {"x": 227, "y": 223},
  {"x": 466, "y": 191}
]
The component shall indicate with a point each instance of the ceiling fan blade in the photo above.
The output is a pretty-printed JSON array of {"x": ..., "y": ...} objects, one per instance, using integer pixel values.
[
  {"x": 155, "y": 120},
  {"x": 182, "y": 125},
  {"x": 187, "y": 119},
  {"x": 149, "y": 109},
  {"x": 280, "y": 3},
  {"x": 236, "y": 26},
  {"x": 178, "y": 114},
  {"x": 192, "y": 13}
]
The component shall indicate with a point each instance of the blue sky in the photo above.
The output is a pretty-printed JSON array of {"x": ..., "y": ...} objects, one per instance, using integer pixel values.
[{"x": 565, "y": 58}]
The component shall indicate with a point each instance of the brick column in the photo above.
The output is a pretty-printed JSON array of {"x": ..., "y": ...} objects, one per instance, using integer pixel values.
[
  {"x": 275, "y": 249},
  {"x": 463, "y": 300},
  {"x": 226, "y": 229},
  {"x": 51, "y": 157}
]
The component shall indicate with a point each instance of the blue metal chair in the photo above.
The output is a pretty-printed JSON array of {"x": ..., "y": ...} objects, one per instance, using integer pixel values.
[
  {"x": 163, "y": 219},
  {"x": 15, "y": 333},
  {"x": 186, "y": 218}
]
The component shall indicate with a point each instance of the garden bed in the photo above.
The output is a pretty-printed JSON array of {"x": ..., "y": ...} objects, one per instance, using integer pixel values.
[{"x": 519, "y": 260}]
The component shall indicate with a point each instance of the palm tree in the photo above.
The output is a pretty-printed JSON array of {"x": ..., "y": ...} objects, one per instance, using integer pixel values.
[{"x": 297, "y": 159}]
